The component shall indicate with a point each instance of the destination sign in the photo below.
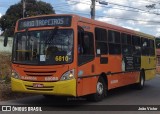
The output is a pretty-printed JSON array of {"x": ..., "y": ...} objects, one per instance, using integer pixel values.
[{"x": 47, "y": 21}]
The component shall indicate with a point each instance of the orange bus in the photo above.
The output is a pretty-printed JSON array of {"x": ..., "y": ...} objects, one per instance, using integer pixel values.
[{"x": 70, "y": 55}]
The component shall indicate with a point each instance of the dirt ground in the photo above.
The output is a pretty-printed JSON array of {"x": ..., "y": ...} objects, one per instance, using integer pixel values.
[
  {"x": 5, "y": 66},
  {"x": 7, "y": 94},
  {"x": 5, "y": 74}
]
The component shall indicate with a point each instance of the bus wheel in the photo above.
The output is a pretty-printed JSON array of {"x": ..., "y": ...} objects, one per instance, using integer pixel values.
[
  {"x": 100, "y": 90},
  {"x": 141, "y": 82}
]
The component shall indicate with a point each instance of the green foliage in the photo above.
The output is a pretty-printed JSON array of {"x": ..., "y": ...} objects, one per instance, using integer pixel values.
[{"x": 15, "y": 12}]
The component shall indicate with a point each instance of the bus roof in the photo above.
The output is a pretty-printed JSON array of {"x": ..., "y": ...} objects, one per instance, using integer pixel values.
[
  {"x": 115, "y": 27},
  {"x": 98, "y": 23}
]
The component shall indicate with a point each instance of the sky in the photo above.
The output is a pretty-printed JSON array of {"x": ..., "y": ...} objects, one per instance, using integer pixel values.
[{"x": 131, "y": 14}]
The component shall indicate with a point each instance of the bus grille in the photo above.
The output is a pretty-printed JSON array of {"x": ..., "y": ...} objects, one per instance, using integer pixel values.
[
  {"x": 45, "y": 88},
  {"x": 39, "y": 72}
]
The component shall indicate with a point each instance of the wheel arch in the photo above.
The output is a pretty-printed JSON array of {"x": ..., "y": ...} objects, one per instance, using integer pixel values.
[
  {"x": 143, "y": 71},
  {"x": 104, "y": 76}
]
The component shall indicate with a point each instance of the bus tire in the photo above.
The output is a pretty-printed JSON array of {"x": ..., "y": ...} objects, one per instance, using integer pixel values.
[
  {"x": 140, "y": 84},
  {"x": 100, "y": 90}
]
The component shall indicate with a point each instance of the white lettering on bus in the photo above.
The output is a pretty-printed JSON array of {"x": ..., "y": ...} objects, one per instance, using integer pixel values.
[
  {"x": 114, "y": 81},
  {"x": 50, "y": 22},
  {"x": 45, "y": 22},
  {"x": 51, "y": 78},
  {"x": 28, "y": 78}
]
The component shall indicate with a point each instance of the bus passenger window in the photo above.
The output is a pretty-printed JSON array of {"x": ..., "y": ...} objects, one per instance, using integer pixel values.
[
  {"x": 114, "y": 42},
  {"x": 101, "y": 41},
  {"x": 126, "y": 44},
  {"x": 136, "y": 42},
  {"x": 145, "y": 46},
  {"x": 152, "y": 48}
]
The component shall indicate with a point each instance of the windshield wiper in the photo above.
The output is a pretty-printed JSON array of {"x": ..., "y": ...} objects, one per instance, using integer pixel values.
[{"x": 53, "y": 33}]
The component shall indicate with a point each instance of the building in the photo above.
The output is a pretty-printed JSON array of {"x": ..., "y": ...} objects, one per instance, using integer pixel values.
[
  {"x": 8, "y": 48},
  {"x": 158, "y": 60}
]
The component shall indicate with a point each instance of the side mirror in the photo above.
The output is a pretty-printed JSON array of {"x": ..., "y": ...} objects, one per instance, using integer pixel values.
[{"x": 5, "y": 41}]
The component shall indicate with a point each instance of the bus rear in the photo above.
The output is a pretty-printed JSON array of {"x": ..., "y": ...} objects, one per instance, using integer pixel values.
[{"x": 43, "y": 57}]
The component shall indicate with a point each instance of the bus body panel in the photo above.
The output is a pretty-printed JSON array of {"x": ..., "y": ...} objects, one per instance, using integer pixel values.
[
  {"x": 148, "y": 63},
  {"x": 63, "y": 88},
  {"x": 87, "y": 84},
  {"x": 122, "y": 79},
  {"x": 40, "y": 73}
]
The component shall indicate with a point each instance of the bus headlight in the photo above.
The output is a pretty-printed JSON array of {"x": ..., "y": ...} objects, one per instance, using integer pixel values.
[
  {"x": 15, "y": 74},
  {"x": 68, "y": 75}
]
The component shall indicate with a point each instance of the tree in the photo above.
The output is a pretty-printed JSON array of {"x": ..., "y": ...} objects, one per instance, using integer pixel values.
[{"x": 15, "y": 12}]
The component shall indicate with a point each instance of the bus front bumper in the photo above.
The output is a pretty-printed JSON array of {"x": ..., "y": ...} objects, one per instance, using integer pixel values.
[{"x": 62, "y": 88}]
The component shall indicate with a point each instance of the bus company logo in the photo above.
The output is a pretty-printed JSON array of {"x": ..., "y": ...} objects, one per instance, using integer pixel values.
[
  {"x": 6, "y": 108},
  {"x": 86, "y": 27},
  {"x": 28, "y": 78},
  {"x": 38, "y": 74}
]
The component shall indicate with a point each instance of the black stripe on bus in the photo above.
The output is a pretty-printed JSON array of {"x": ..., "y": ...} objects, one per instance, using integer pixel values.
[{"x": 150, "y": 69}]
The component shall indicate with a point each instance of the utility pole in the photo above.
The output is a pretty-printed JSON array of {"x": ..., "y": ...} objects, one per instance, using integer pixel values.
[
  {"x": 93, "y": 9},
  {"x": 24, "y": 8}
]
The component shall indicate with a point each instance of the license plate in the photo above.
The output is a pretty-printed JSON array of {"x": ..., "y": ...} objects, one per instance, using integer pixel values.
[{"x": 37, "y": 85}]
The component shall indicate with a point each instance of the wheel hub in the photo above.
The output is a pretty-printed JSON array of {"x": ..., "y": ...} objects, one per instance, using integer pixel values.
[
  {"x": 99, "y": 88},
  {"x": 142, "y": 81}
]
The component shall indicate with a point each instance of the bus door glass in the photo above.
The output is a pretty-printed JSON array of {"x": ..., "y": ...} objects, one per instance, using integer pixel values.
[{"x": 85, "y": 47}]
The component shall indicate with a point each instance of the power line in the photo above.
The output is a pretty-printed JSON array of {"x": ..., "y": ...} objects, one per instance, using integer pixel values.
[
  {"x": 108, "y": 16},
  {"x": 144, "y": 1},
  {"x": 154, "y": 2},
  {"x": 133, "y": 8},
  {"x": 137, "y": 9},
  {"x": 65, "y": 5},
  {"x": 128, "y": 19},
  {"x": 73, "y": 12},
  {"x": 104, "y": 7}
]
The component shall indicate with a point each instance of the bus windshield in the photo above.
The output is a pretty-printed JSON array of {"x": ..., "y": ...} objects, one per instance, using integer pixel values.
[{"x": 43, "y": 47}]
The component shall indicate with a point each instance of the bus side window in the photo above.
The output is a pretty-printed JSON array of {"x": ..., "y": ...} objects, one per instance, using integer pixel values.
[
  {"x": 126, "y": 44},
  {"x": 152, "y": 48},
  {"x": 136, "y": 42},
  {"x": 114, "y": 42},
  {"x": 101, "y": 41},
  {"x": 145, "y": 46},
  {"x": 85, "y": 45}
]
